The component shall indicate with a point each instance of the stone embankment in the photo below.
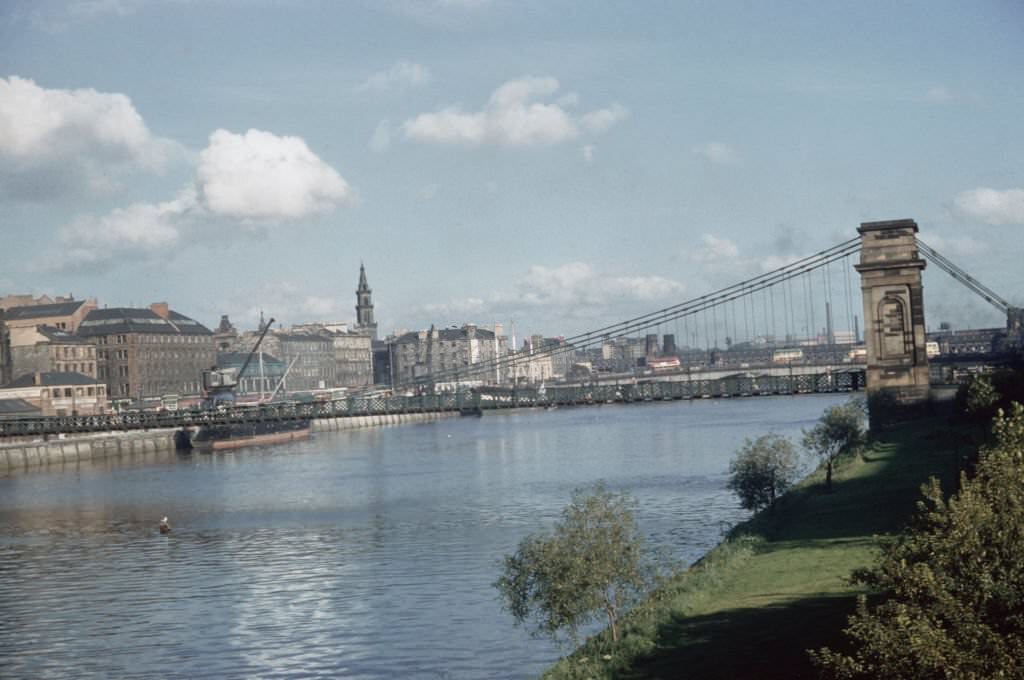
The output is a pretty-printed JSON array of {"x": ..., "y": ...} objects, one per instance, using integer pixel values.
[
  {"x": 71, "y": 449},
  {"x": 354, "y": 422},
  {"x": 58, "y": 450}
]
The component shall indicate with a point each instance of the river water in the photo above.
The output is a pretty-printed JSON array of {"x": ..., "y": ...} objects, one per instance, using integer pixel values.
[{"x": 361, "y": 554}]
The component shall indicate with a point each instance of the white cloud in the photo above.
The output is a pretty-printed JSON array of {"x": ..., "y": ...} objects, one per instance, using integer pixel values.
[
  {"x": 381, "y": 139},
  {"x": 239, "y": 180},
  {"x": 714, "y": 250},
  {"x": 992, "y": 206},
  {"x": 137, "y": 231},
  {"x": 515, "y": 115},
  {"x": 939, "y": 94},
  {"x": 62, "y": 141},
  {"x": 716, "y": 153},
  {"x": 570, "y": 290},
  {"x": 957, "y": 246},
  {"x": 588, "y": 153},
  {"x": 402, "y": 75},
  {"x": 260, "y": 176},
  {"x": 770, "y": 263},
  {"x": 602, "y": 119}
]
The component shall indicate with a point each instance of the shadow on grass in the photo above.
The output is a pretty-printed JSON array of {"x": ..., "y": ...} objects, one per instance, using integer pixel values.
[
  {"x": 763, "y": 642},
  {"x": 871, "y": 496}
]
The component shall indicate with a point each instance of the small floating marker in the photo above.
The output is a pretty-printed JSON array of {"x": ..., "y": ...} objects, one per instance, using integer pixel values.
[{"x": 165, "y": 526}]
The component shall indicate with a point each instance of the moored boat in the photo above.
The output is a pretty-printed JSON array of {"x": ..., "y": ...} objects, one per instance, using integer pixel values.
[{"x": 236, "y": 435}]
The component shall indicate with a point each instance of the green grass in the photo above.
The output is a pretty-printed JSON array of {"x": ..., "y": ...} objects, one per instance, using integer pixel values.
[{"x": 779, "y": 585}]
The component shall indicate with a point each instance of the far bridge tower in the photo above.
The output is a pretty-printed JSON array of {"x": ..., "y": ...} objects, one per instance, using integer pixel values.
[{"x": 890, "y": 279}]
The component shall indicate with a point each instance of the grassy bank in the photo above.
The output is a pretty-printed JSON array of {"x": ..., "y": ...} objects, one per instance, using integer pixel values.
[{"x": 779, "y": 585}]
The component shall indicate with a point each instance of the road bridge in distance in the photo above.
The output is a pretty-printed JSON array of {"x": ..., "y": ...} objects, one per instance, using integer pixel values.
[{"x": 744, "y": 384}]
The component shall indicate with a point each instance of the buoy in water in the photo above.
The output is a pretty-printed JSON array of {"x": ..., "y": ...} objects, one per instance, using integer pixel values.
[{"x": 165, "y": 526}]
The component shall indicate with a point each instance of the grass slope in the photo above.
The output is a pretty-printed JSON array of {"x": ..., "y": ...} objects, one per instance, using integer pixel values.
[{"x": 779, "y": 585}]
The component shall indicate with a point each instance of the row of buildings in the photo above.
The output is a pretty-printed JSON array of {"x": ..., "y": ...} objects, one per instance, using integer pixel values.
[{"x": 63, "y": 356}]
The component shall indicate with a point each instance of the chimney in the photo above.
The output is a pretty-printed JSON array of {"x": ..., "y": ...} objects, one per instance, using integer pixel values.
[
  {"x": 37, "y": 378},
  {"x": 160, "y": 309}
]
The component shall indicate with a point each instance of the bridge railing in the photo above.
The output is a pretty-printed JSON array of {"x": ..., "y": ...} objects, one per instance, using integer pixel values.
[{"x": 554, "y": 395}]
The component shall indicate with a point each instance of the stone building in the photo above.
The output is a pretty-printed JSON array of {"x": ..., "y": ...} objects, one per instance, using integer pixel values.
[
  {"x": 46, "y": 349},
  {"x": 147, "y": 353},
  {"x": 27, "y": 300},
  {"x": 66, "y": 315},
  {"x": 59, "y": 394},
  {"x": 353, "y": 359},
  {"x": 225, "y": 336},
  {"x": 419, "y": 355},
  {"x": 314, "y": 365},
  {"x": 531, "y": 365}
]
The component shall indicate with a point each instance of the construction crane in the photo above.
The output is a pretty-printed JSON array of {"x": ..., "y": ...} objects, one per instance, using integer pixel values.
[{"x": 220, "y": 383}]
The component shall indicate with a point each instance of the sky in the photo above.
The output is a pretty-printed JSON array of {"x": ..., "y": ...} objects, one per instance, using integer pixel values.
[{"x": 559, "y": 165}]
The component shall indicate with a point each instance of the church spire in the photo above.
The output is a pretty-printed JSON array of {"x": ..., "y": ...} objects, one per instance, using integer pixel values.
[
  {"x": 363, "y": 287},
  {"x": 364, "y": 306}
]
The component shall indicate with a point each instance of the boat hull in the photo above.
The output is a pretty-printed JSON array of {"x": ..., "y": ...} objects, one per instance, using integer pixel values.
[{"x": 236, "y": 436}]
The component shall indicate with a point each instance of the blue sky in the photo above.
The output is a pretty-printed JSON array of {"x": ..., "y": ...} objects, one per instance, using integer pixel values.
[{"x": 563, "y": 164}]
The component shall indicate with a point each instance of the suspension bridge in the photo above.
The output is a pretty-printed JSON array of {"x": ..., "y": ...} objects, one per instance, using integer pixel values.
[{"x": 793, "y": 329}]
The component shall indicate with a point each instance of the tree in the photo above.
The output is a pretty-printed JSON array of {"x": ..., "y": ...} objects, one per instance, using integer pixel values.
[
  {"x": 978, "y": 398},
  {"x": 762, "y": 470},
  {"x": 839, "y": 432},
  {"x": 954, "y": 581},
  {"x": 587, "y": 566}
]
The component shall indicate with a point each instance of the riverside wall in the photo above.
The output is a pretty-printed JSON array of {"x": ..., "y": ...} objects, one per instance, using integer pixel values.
[
  {"x": 25, "y": 452},
  {"x": 78, "y": 448},
  {"x": 355, "y": 422}
]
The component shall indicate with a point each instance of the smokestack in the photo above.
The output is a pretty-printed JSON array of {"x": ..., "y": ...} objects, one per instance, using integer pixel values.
[
  {"x": 830, "y": 338},
  {"x": 668, "y": 344},
  {"x": 160, "y": 309}
]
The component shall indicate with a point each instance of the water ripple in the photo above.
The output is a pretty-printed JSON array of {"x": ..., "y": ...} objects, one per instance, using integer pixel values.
[{"x": 365, "y": 554}]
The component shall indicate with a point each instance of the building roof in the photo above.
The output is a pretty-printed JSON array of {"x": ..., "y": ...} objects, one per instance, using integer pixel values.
[
  {"x": 44, "y": 311},
  {"x": 139, "y": 320},
  {"x": 301, "y": 337},
  {"x": 236, "y": 359},
  {"x": 52, "y": 378},
  {"x": 60, "y": 336},
  {"x": 17, "y": 407},
  {"x": 446, "y": 334}
]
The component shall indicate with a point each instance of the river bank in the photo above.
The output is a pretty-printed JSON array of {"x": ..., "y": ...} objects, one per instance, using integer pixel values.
[{"x": 779, "y": 584}]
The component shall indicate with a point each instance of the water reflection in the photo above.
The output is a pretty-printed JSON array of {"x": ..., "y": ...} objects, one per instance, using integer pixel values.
[{"x": 362, "y": 554}]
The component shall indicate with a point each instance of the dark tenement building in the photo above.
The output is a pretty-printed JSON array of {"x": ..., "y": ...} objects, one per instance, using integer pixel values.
[{"x": 149, "y": 352}]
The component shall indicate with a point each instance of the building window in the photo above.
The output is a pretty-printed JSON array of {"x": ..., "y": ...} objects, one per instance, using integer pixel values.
[
  {"x": 45, "y": 394},
  {"x": 67, "y": 391},
  {"x": 90, "y": 391}
]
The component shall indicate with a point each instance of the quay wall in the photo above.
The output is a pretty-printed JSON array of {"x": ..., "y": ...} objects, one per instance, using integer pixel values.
[
  {"x": 355, "y": 422},
  {"x": 25, "y": 452},
  {"x": 76, "y": 448}
]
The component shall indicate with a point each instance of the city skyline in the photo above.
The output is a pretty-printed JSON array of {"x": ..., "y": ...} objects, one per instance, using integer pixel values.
[{"x": 490, "y": 161}]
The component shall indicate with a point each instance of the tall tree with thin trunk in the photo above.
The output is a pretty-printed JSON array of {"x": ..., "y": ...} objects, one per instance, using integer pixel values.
[{"x": 838, "y": 433}]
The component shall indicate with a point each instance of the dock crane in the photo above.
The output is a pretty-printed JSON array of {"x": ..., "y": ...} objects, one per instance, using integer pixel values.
[{"x": 220, "y": 383}]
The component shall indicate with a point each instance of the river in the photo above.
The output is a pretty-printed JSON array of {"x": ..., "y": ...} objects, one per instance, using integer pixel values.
[{"x": 359, "y": 554}]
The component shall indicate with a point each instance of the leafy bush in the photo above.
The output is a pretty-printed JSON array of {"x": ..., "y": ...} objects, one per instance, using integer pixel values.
[
  {"x": 762, "y": 470},
  {"x": 954, "y": 581}
]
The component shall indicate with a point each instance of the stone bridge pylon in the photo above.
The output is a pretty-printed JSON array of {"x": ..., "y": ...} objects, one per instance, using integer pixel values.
[{"x": 894, "y": 330}]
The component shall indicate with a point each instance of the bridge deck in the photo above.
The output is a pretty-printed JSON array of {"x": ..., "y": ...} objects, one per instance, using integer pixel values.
[{"x": 478, "y": 401}]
